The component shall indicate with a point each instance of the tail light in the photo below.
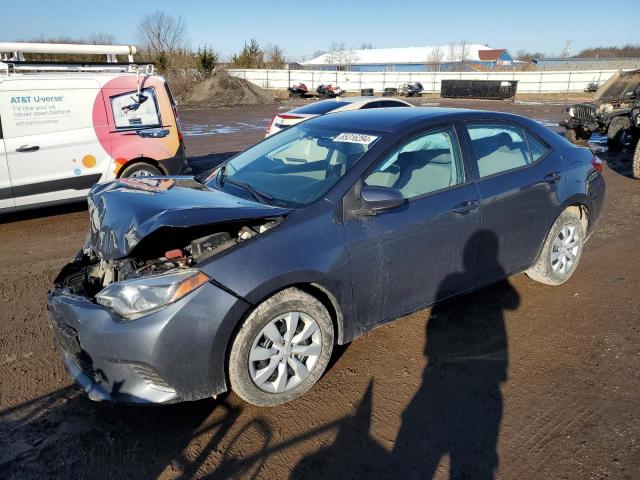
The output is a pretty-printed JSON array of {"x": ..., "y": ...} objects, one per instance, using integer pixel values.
[
  {"x": 273, "y": 120},
  {"x": 289, "y": 117},
  {"x": 597, "y": 163}
]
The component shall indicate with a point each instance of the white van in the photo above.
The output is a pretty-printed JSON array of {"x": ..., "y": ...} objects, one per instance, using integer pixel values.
[{"x": 65, "y": 127}]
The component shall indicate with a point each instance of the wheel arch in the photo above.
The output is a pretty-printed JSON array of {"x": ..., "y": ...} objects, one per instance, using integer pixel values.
[
  {"x": 135, "y": 160},
  {"x": 312, "y": 287},
  {"x": 581, "y": 208}
]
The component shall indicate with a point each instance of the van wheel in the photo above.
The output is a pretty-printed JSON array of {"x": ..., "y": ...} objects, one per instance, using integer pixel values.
[
  {"x": 561, "y": 251},
  {"x": 282, "y": 349},
  {"x": 141, "y": 169}
]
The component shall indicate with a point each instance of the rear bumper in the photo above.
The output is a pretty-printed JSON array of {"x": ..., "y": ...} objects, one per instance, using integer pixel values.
[
  {"x": 177, "y": 353},
  {"x": 176, "y": 165}
]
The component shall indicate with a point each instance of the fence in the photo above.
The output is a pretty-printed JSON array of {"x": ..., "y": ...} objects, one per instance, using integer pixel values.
[{"x": 528, "y": 82}]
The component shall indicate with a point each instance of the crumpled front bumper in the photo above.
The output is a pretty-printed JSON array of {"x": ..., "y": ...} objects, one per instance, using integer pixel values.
[{"x": 176, "y": 353}]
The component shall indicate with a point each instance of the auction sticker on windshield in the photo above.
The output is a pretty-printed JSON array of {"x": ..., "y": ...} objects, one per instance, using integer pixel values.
[{"x": 355, "y": 138}]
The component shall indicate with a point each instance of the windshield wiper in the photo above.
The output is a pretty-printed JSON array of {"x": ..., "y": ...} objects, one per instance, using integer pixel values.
[{"x": 258, "y": 195}]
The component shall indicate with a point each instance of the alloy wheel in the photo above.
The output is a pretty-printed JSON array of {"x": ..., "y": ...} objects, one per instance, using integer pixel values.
[
  {"x": 565, "y": 250},
  {"x": 285, "y": 352}
]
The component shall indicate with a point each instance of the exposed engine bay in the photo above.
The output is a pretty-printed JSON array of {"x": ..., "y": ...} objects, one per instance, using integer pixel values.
[{"x": 89, "y": 274}]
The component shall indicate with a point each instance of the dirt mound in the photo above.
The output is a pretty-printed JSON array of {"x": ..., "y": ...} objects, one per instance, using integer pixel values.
[{"x": 223, "y": 90}]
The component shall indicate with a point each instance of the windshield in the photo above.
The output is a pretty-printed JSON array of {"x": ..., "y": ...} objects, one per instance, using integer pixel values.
[{"x": 296, "y": 166}]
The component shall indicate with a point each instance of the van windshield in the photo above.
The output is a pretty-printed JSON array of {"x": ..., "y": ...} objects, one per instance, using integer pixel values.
[{"x": 297, "y": 166}]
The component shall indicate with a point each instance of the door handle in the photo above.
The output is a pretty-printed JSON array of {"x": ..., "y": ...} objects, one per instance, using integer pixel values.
[
  {"x": 27, "y": 148},
  {"x": 465, "y": 207},
  {"x": 552, "y": 177}
]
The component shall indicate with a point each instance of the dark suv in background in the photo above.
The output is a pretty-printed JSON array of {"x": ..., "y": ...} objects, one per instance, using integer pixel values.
[{"x": 615, "y": 112}]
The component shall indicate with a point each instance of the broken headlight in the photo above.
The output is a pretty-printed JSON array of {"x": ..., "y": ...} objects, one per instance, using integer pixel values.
[{"x": 134, "y": 298}]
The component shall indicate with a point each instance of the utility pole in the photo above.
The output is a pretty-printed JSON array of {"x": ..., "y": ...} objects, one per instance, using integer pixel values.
[{"x": 566, "y": 51}]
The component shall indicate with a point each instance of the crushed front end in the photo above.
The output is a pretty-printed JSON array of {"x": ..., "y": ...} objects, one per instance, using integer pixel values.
[{"x": 137, "y": 320}]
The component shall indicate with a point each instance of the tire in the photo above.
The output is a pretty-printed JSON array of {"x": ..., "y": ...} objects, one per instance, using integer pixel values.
[
  {"x": 635, "y": 165},
  {"x": 253, "y": 337},
  {"x": 571, "y": 135},
  {"x": 141, "y": 169},
  {"x": 546, "y": 269},
  {"x": 618, "y": 128}
]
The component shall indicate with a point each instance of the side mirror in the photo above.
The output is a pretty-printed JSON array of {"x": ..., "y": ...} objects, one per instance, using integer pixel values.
[
  {"x": 380, "y": 199},
  {"x": 153, "y": 132}
]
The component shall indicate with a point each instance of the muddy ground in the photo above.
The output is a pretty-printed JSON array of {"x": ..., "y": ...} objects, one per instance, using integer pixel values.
[{"x": 563, "y": 401}]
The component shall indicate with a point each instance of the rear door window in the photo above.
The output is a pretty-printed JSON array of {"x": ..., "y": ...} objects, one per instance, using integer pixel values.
[
  {"x": 129, "y": 113},
  {"x": 498, "y": 148}
]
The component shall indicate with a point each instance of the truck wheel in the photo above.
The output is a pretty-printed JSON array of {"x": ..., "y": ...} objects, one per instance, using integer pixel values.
[
  {"x": 617, "y": 133},
  {"x": 141, "y": 169},
  {"x": 571, "y": 135},
  {"x": 282, "y": 349},
  {"x": 635, "y": 167},
  {"x": 561, "y": 251}
]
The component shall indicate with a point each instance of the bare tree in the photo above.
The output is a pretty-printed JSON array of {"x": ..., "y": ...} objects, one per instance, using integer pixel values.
[
  {"x": 452, "y": 53},
  {"x": 160, "y": 33},
  {"x": 340, "y": 56},
  {"x": 463, "y": 52},
  {"x": 101, "y": 38},
  {"x": 436, "y": 56}
]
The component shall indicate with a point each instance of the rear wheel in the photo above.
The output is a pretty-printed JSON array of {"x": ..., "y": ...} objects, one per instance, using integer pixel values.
[
  {"x": 282, "y": 349},
  {"x": 141, "y": 169},
  {"x": 618, "y": 133},
  {"x": 561, "y": 251},
  {"x": 635, "y": 167}
]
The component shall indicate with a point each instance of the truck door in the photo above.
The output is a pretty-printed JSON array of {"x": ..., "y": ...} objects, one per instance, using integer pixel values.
[
  {"x": 52, "y": 147},
  {"x": 6, "y": 196}
]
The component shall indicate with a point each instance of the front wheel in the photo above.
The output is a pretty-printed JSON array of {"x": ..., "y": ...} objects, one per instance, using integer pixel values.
[
  {"x": 635, "y": 167},
  {"x": 571, "y": 135},
  {"x": 561, "y": 251},
  {"x": 618, "y": 133},
  {"x": 282, "y": 349}
]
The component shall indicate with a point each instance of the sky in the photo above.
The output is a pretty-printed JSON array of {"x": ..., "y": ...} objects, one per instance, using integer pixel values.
[{"x": 302, "y": 28}]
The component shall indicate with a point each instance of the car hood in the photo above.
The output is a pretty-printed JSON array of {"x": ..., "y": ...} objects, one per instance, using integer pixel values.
[{"x": 125, "y": 211}]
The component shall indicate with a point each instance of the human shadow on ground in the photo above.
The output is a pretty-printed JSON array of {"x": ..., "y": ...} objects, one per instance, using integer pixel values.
[{"x": 456, "y": 413}]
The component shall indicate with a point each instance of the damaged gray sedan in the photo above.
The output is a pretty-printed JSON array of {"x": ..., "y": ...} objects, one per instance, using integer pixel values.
[{"x": 246, "y": 278}]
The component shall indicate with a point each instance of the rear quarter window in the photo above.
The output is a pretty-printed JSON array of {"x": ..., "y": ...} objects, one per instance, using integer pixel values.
[
  {"x": 128, "y": 113},
  {"x": 319, "y": 108}
]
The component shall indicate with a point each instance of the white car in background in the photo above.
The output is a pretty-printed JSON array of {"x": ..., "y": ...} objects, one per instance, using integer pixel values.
[{"x": 285, "y": 120}]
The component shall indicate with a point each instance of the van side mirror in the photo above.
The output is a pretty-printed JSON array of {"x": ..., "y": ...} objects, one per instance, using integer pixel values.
[{"x": 379, "y": 199}]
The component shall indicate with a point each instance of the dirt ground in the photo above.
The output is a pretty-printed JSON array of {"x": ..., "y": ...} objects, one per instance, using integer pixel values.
[{"x": 561, "y": 400}]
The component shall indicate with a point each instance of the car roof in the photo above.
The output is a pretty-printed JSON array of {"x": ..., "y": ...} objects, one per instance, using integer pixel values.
[{"x": 382, "y": 119}]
